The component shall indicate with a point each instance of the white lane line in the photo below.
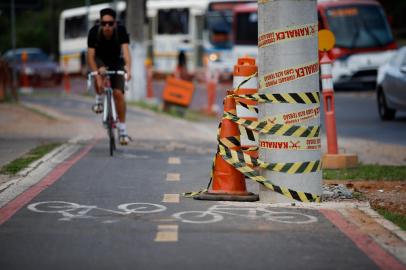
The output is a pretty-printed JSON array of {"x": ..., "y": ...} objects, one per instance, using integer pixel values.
[
  {"x": 174, "y": 160},
  {"x": 173, "y": 177},
  {"x": 171, "y": 198},
  {"x": 167, "y": 233}
]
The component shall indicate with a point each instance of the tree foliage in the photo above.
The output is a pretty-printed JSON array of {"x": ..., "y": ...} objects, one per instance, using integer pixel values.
[{"x": 36, "y": 28}]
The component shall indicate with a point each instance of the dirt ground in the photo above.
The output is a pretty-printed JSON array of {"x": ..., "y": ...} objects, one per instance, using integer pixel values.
[{"x": 389, "y": 195}]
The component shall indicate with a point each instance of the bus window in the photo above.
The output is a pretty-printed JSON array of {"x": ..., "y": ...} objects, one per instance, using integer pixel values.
[
  {"x": 219, "y": 25},
  {"x": 173, "y": 21},
  {"x": 247, "y": 28},
  {"x": 75, "y": 27},
  {"x": 362, "y": 26}
]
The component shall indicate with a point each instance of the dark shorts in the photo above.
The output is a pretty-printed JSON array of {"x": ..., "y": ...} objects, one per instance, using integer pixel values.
[{"x": 117, "y": 81}]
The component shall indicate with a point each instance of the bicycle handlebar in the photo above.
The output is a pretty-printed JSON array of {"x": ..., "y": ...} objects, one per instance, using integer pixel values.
[{"x": 107, "y": 72}]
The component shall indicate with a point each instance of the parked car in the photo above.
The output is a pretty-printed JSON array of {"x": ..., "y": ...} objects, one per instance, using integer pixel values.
[
  {"x": 39, "y": 68},
  {"x": 391, "y": 86}
]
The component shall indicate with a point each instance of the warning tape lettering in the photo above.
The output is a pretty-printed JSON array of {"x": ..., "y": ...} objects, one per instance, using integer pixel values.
[
  {"x": 288, "y": 34},
  {"x": 287, "y": 75},
  {"x": 294, "y": 117},
  {"x": 294, "y": 144}
]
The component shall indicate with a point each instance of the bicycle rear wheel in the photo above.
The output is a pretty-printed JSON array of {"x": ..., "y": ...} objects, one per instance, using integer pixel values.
[{"x": 110, "y": 123}]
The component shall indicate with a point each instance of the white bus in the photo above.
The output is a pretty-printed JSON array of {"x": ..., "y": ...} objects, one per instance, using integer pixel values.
[
  {"x": 73, "y": 30},
  {"x": 200, "y": 28}
]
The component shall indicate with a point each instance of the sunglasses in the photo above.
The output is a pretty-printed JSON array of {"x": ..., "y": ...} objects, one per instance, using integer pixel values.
[{"x": 109, "y": 23}]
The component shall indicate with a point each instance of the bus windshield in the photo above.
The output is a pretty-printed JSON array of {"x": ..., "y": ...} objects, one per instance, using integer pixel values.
[
  {"x": 359, "y": 26},
  {"x": 246, "y": 28},
  {"x": 219, "y": 24}
]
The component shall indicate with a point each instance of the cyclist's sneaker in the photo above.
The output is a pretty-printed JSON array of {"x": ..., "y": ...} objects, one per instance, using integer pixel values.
[
  {"x": 124, "y": 139},
  {"x": 97, "y": 108}
]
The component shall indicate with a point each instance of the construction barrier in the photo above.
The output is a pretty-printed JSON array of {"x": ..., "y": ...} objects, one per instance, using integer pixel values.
[
  {"x": 229, "y": 149},
  {"x": 66, "y": 80},
  {"x": 149, "y": 79},
  {"x": 177, "y": 93},
  {"x": 331, "y": 160},
  {"x": 212, "y": 79},
  {"x": 25, "y": 86}
]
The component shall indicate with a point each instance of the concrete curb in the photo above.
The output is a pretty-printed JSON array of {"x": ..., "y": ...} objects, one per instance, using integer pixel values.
[{"x": 35, "y": 172}]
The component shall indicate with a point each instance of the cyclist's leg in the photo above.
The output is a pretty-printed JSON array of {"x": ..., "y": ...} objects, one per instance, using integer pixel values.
[
  {"x": 117, "y": 83},
  {"x": 98, "y": 106}
]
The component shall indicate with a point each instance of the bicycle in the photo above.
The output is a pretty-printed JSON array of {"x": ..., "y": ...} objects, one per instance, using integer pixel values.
[
  {"x": 215, "y": 214},
  {"x": 109, "y": 107},
  {"x": 70, "y": 210}
]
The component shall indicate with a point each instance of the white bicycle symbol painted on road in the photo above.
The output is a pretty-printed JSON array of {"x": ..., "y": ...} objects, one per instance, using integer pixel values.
[
  {"x": 70, "y": 210},
  {"x": 215, "y": 214}
]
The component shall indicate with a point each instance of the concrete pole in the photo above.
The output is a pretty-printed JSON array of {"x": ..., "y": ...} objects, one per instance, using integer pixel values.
[
  {"x": 292, "y": 52},
  {"x": 135, "y": 26}
]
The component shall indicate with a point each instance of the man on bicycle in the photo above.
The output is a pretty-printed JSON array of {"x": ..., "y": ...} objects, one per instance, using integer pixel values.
[{"x": 108, "y": 49}]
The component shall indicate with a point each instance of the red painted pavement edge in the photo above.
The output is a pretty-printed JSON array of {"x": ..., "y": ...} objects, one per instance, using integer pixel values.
[
  {"x": 7, "y": 211},
  {"x": 378, "y": 255}
]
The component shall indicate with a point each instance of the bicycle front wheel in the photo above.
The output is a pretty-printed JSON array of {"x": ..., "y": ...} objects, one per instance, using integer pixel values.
[{"x": 110, "y": 123}]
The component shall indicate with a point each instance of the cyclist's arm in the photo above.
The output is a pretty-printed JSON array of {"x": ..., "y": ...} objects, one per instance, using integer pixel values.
[
  {"x": 127, "y": 59},
  {"x": 91, "y": 59}
]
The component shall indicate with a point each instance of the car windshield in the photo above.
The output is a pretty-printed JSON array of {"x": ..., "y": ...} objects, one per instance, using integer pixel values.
[
  {"x": 219, "y": 26},
  {"x": 32, "y": 57},
  {"x": 359, "y": 26}
]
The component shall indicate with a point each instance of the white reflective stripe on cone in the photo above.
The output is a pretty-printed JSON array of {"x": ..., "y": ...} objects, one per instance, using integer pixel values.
[{"x": 251, "y": 84}]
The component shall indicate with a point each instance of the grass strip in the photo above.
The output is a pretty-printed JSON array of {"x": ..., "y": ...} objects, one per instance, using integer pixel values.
[
  {"x": 367, "y": 172},
  {"x": 398, "y": 219},
  {"x": 21, "y": 163}
]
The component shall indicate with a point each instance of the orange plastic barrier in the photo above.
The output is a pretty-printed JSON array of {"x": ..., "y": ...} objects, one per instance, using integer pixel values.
[{"x": 178, "y": 92}]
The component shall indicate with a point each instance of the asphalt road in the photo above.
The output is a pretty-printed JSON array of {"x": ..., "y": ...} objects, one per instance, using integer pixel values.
[
  {"x": 112, "y": 213},
  {"x": 126, "y": 212}
]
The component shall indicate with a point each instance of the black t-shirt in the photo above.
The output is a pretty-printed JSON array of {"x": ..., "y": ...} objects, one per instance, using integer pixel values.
[{"x": 108, "y": 51}]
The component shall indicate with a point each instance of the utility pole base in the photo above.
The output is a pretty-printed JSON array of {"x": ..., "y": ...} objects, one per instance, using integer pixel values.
[{"x": 339, "y": 161}]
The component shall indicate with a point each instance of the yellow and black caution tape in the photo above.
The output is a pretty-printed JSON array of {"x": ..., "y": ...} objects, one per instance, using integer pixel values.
[
  {"x": 290, "y": 98},
  {"x": 245, "y": 163},
  {"x": 265, "y": 127},
  {"x": 239, "y": 157},
  {"x": 252, "y": 174}
]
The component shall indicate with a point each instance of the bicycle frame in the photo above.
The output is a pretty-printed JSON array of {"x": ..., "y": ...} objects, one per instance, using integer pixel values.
[
  {"x": 109, "y": 108},
  {"x": 108, "y": 91}
]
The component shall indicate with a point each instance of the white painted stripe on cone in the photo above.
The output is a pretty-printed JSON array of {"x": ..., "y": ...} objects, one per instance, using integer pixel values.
[{"x": 244, "y": 112}]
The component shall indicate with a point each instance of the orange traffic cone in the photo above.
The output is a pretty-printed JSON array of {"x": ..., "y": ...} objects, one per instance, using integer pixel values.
[
  {"x": 228, "y": 183},
  {"x": 25, "y": 86}
]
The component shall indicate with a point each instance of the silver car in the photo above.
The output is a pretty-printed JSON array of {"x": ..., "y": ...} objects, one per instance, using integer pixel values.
[{"x": 391, "y": 86}]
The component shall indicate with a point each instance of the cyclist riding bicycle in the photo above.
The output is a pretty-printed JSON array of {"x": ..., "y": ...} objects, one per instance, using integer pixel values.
[{"x": 108, "y": 49}]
